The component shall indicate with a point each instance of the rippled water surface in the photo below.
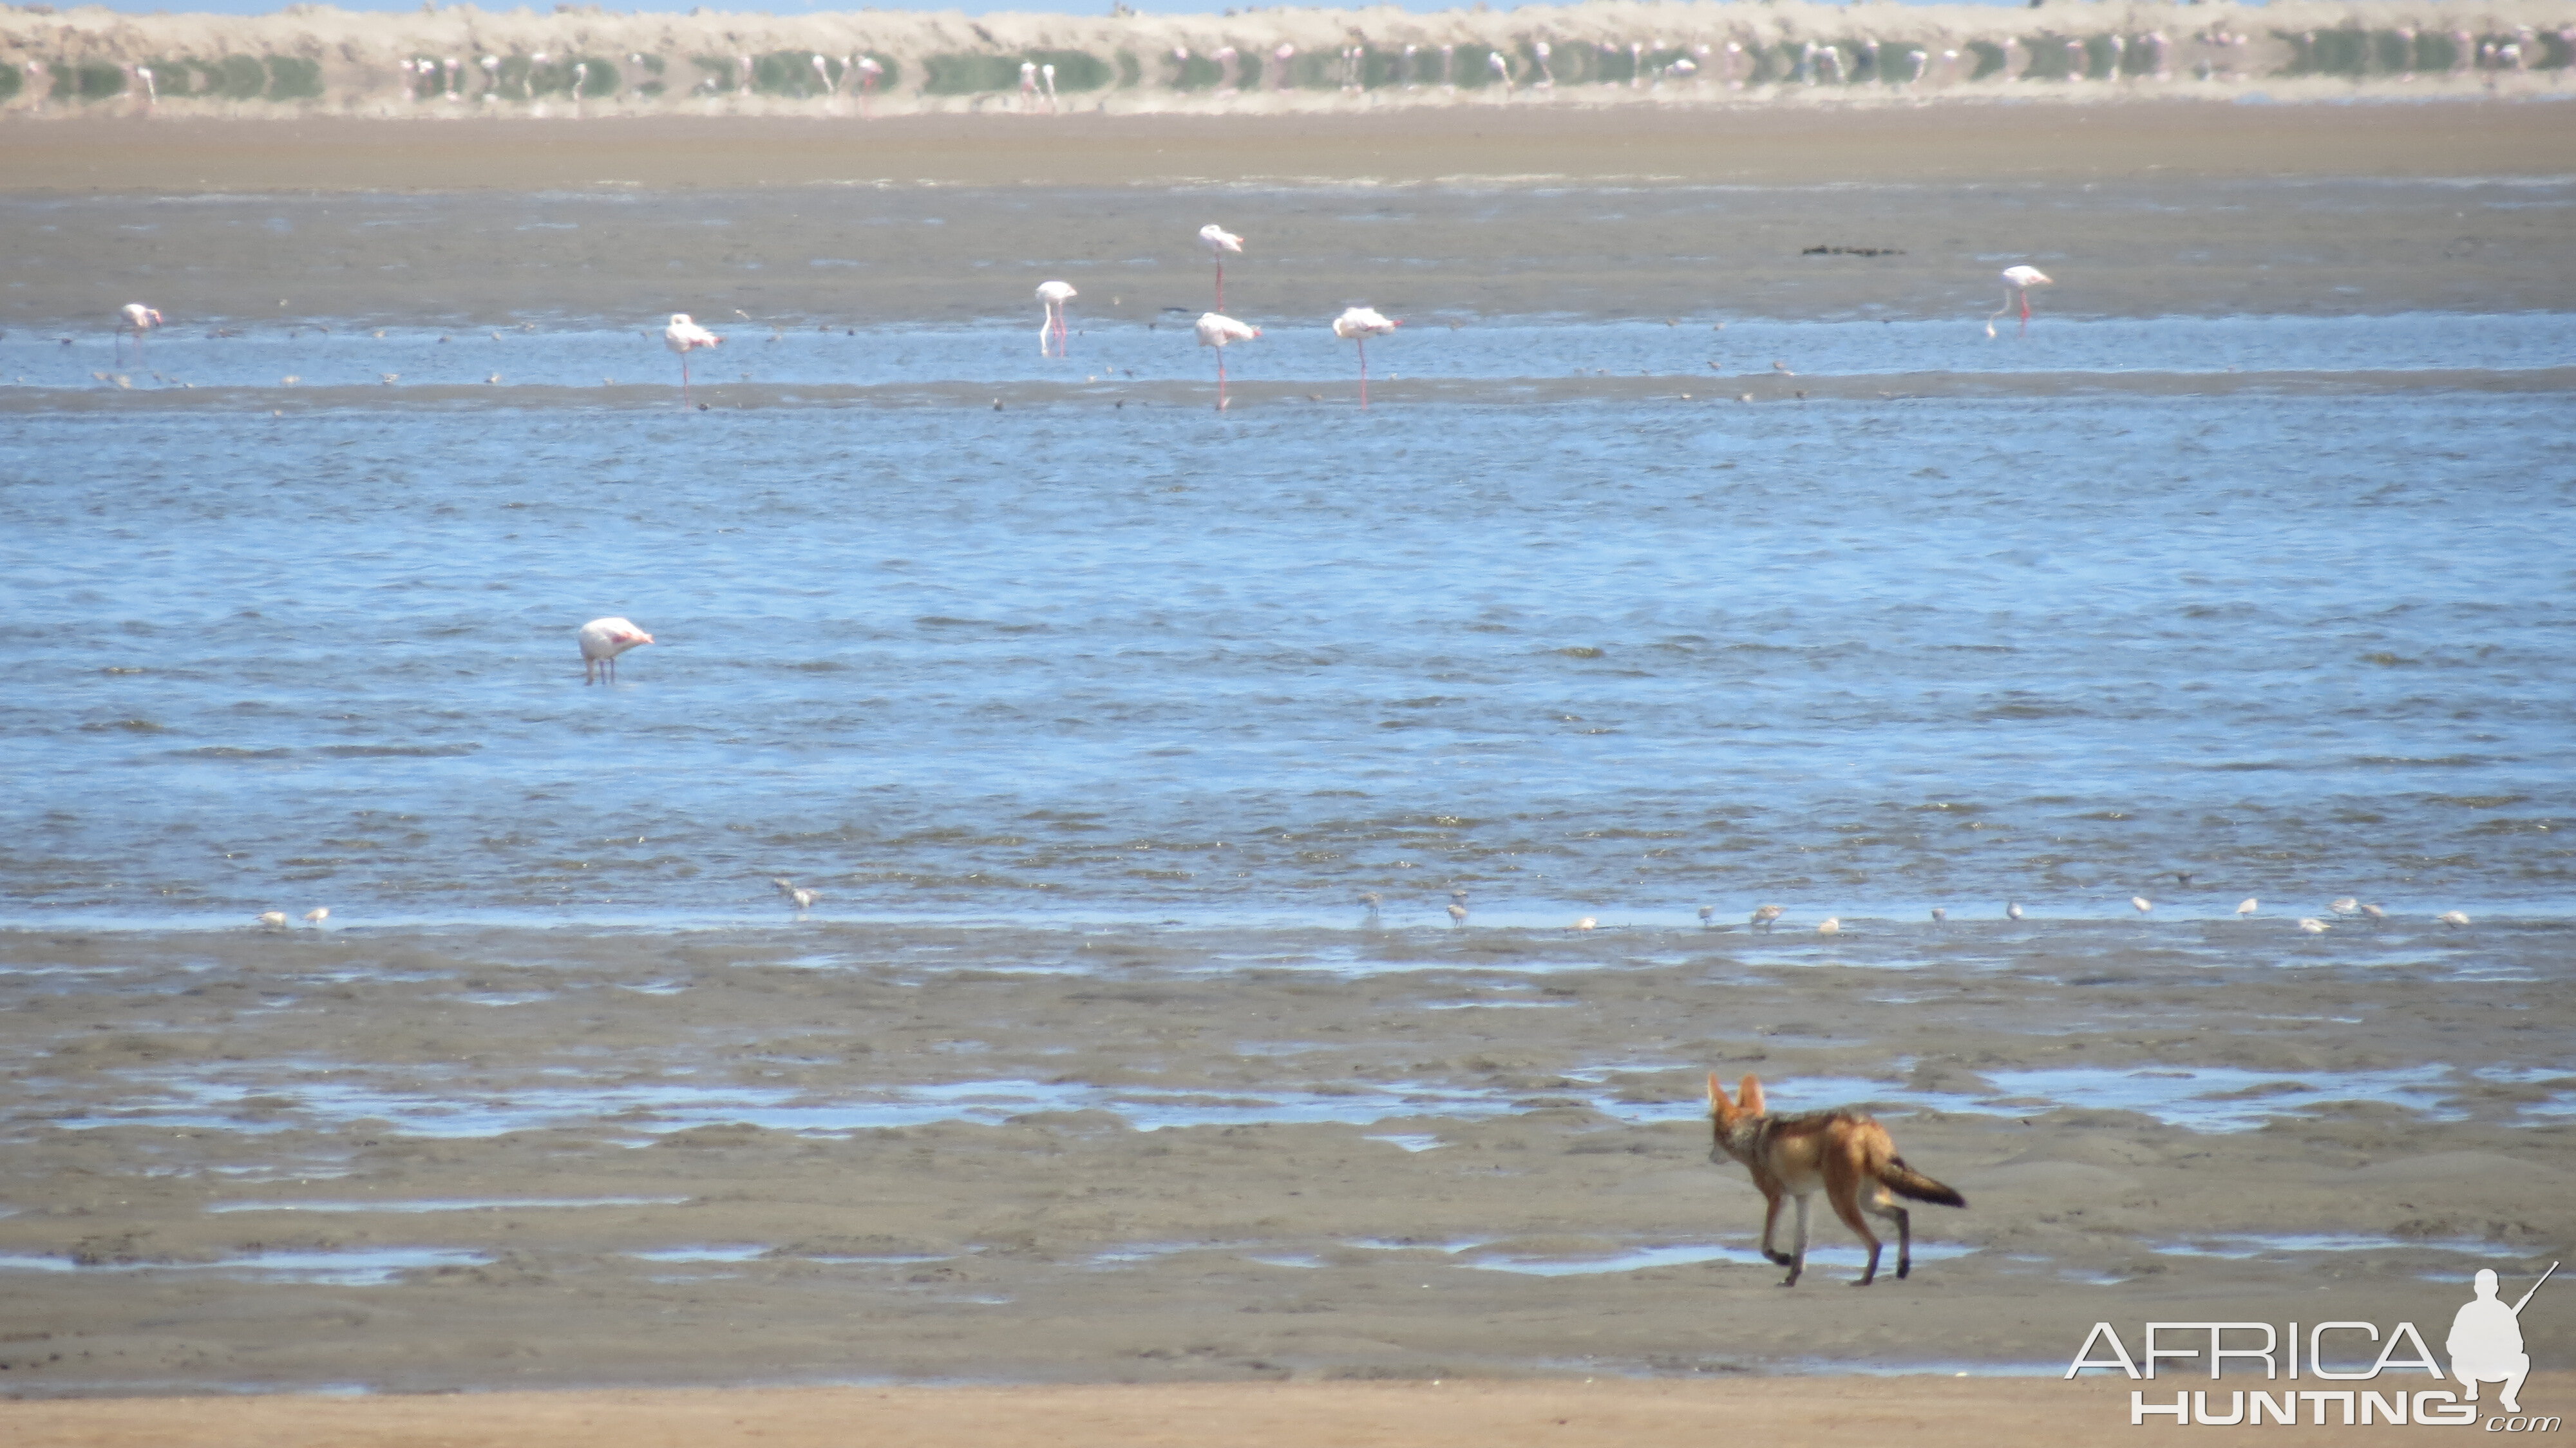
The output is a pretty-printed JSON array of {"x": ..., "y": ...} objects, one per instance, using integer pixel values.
[{"x": 1133, "y": 662}]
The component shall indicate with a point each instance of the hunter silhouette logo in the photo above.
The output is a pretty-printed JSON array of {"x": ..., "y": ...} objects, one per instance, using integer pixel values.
[
  {"x": 2485, "y": 1346},
  {"x": 2486, "y": 1341}
]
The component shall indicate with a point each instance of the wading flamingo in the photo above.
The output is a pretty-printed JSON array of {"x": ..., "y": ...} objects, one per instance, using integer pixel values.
[
  {"x": 1358, "y": 325},
  {"x": 136, "y": 318},
  {"x": 1220, "y": 331},
  {"x": 1053, "y": 296},
  {"x": 684, "y": 336},
  {"x": 602, "y": 640},
  {"x": 2018, "y": 280},
  {"x": 1219, "y": 241}
]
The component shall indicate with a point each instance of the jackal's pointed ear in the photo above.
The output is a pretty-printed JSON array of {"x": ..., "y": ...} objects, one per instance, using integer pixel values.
[
  {"x": 1749, "y": 1096},
  {"x": 1716, "y": 1095}
]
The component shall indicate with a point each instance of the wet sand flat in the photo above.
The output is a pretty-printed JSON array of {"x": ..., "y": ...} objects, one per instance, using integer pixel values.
[
  {"x": 2252, "y": 211},
  {"x": 1998, "y": 142},
  {"x": 426, "y": 1161}
]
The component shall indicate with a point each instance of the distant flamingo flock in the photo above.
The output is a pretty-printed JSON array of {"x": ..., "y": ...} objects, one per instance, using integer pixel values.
[{"x": 1213, "y": 329}]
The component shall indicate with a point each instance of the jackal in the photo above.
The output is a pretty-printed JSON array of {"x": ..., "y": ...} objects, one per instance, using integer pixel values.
[{"x": 1847, "y": 1156}]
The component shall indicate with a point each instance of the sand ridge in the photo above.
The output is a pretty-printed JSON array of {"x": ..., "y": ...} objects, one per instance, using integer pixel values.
[{"x": 579, "y": 62}]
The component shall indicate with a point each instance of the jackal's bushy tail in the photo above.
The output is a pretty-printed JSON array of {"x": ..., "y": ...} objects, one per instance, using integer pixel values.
[{"x": 1905, "y": 1181}]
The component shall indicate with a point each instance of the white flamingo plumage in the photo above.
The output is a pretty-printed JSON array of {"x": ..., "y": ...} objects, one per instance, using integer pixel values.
[
  {"x": 602, "y": 640},
  {"x": 136, "y": 318},
  {"x": 1051, "y": 332},
  {"x": 684, "y": 336},
  {"x": 2018, "y": 280},
  {"x": 1220, "y": 331},
  {"x": 1358, "y": 324},
  {"x": 1219, "y": 241}
]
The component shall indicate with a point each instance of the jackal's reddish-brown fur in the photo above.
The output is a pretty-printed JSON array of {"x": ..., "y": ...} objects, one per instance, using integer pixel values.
[{"x": 1847, "y": 1156}]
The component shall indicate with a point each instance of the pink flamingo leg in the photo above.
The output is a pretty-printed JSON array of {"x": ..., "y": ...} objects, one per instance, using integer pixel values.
[
  {"x": 2025, "y": 311},
  {"x": 1363, "y": 374},
  {"x": 1220, "y": 285},
  {"x": 684, "y": 381},
  {"x": 1220, "y": 376}
]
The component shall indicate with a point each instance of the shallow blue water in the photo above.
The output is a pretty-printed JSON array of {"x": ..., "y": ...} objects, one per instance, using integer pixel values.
[
  {"x": 1300, "y": 349},
  {"x": 1151, "y": 662}
]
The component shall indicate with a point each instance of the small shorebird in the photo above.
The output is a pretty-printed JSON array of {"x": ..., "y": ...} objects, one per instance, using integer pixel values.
[
  {"x": 2249, "y": 906},
  {"x": 602, "y": 640},
  {"x": 1358, "y": 324},
  {"x": 1219, "y": 241},
  {"x": 2345, "y": 906},
  {"x": 2012, "y": 910},
  {"x": 2453, "y": 918},
  {"x": 802, "y": 899},
  {"x": 1457, "y": 913},
  {"x": 684, "y": 336},
  {"x": 315, "y": 916},
  {"x": 1829, "y": 926},
  {"x": 1052, "y": 296},
  {"x": 2018, "y": 280},
  {"x": 272, "y": 920},
  {"x": 1370, "y": 900},
  {"x": 1707, "y": 916},
  {"x": 1586, "y": 923},
  {"x": 2141, "y": 904},
  {"x": 1220, "y": 331},
  {"x": 2373, "y": 912},
  {"x": 1939, "y": 915},
  {"x": 2313, "y": 925},
  {"x": 138, "y": 319},
  {"x": 1763, "y": 917}
]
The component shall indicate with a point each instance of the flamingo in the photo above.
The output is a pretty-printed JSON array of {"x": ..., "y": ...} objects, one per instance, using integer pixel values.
[
  {"x": 1052, "y": 296},
  {"x": 871, "y": 70},
  {"x": 1219, "y": 241},
  {"x": 2456, "y": 919},
  {"x": 2249, "y": 906},
  {"x": 684, "y": 336},
  {"x": 1358, "y": 324},
  {"x": 136, "y": 318},
  {"x": 2018, "y": 280},
  {"x": 1217, "y": 330},
  {"x": 1830, "y": 925},
  {"x": 272, "y": 920},
  {"x": 315, "y": 916},
  {"x": 2314, "y": 926},
  {"x": 1763, "y": 917},
  {"x": 2141, "y": 904},
  {"x": 602, "y": 640}
]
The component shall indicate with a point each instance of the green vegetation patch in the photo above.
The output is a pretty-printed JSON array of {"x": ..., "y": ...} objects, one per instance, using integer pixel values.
[
  {"x": 293, "y": 78},
  {"x": 1075, "y": 70},
  {"x": 967, "y": 75}
]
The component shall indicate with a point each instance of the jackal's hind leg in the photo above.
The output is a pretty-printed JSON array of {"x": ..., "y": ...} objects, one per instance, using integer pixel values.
[{"x": 1904, "y": 1242}]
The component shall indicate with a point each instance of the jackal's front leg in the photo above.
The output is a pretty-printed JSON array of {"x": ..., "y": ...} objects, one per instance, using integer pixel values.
[{"x": 1770, "y": 1227}]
